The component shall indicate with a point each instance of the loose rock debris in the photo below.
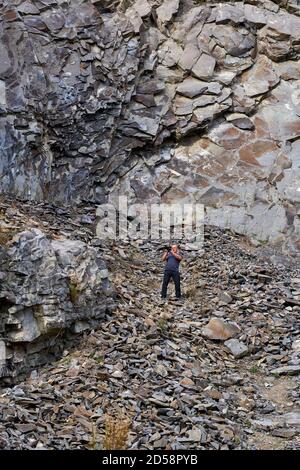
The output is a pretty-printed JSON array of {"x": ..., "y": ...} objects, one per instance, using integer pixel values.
[{"x": 152, "y": 362}]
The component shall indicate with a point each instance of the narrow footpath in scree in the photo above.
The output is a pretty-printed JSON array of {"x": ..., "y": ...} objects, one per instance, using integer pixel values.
[{"x": 219, "y": 370}]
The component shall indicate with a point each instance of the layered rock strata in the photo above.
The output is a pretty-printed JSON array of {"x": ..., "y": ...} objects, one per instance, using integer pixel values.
[
  {"x": 164, "y": 100},
  {"x": 50, "y": 289}
]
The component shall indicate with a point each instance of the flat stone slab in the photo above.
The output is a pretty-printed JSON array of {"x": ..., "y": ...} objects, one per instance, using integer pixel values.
[
  {"x": 236, "y": 348},
  {"x": 286, "y": 370}
]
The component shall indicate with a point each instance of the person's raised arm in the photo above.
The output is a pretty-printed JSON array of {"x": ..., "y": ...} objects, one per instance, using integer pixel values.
[
  {"x": 164, "y": 257},
  {"x": 177, "y": 255}
]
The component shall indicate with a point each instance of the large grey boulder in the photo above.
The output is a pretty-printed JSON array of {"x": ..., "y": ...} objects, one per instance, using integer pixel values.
[{"x": 47, "y": 288}]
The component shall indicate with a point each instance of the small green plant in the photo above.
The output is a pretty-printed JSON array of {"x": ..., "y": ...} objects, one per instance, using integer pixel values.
[
  {"x": 74, "y": 293},
  {"x": 262, "y": 242},
  {"x": 74, "y": 288},
  {"x": 6, "y": 236},
  {"x": 254, "y": 369},
  {"x": 99, "y": 359},
  {"x": 65, "y": 360},
  {"x": 199, "y": 352},
  {"x": 162, "y": 324}
]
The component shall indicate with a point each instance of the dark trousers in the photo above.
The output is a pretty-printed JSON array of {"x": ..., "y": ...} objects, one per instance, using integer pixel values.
[{"x": 176, "y": 278}]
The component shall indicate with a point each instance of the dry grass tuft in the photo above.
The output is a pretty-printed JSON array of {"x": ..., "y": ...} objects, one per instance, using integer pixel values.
[
  {"x": 192, "y": 291},
  {"x": 74, "y": 288},
  {"x": 94, "y": 442},
  {"x": 6, "y": 236},
  {"x": 116, "y": 432},
  {"x": 162, "y": 324},
  {"x": 74, "y": 293}
]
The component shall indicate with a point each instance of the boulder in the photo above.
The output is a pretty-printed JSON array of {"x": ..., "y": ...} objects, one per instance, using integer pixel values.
[
  {"x": 219, "y": 329},
  {"x": 49, "y": 289},
  {"x": 236, "y": 348}
]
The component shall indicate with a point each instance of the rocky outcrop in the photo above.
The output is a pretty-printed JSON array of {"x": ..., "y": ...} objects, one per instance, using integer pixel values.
[
  {"x": 166, "y": 100},
  {"x": 48, "y": 288}
]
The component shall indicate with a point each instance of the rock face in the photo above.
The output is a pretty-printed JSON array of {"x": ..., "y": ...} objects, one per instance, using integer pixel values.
[
  {"x": 47, "y": 288},
  {"x": 162, "y": 99}
]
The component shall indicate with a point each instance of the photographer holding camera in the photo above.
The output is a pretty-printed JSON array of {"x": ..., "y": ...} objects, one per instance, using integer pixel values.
[{"x": 172, "y": 259}]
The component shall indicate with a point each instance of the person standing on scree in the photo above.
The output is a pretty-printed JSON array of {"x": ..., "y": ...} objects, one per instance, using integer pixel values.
[{"x": 172, "y": 259}]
